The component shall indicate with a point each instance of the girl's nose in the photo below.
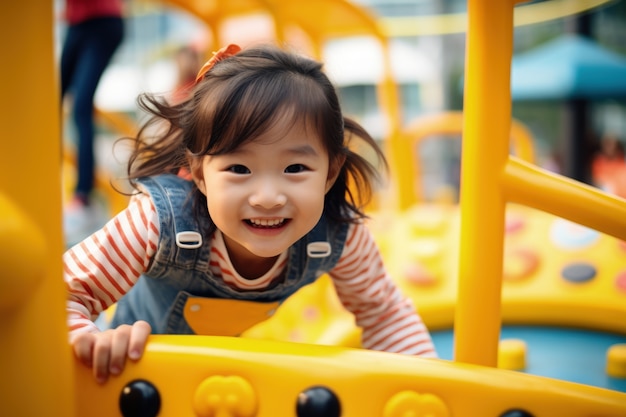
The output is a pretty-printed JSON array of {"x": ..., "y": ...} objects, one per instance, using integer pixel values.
[{"x": 267, "y": 194}]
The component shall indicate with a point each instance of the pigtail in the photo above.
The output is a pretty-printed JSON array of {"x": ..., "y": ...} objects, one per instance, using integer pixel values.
[
  {"x": 354, "y": 187},
  {"x": 158, "y": 147}
]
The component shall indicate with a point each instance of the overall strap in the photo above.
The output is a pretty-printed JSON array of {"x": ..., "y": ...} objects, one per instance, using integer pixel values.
[
  {"x": 318, "y": 251},
  {"x": 183, "y": 239}
]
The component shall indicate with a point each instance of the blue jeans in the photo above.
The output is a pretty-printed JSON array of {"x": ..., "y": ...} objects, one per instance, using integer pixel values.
[{"x": 87, "y": 51}]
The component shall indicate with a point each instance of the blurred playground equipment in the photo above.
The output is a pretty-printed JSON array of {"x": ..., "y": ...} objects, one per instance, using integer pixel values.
[{"x": 227, "y": 377}]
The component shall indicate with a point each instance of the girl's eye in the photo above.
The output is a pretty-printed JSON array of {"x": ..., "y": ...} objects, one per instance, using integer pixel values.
[
  {"x": 238, "y": 169},
  {"x": 295, "y": 168}
]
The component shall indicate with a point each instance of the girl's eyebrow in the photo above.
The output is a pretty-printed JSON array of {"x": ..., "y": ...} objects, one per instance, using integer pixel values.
[{"x": 304, "y": 150}]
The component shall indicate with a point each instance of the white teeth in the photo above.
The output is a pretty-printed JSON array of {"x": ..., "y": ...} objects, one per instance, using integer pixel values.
[{"x": 266, "y": 223}]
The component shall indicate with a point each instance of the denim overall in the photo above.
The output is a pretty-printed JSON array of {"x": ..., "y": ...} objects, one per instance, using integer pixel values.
[{"x": 179, "y": 295}]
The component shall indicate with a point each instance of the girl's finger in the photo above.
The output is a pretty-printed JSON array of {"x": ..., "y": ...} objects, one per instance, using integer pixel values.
[
  {"x": 82, "y": 345},
  {"x": 138, "y": 339},
  {"x": 102, "y": 355},
  {"x": 119, "y": 347}
]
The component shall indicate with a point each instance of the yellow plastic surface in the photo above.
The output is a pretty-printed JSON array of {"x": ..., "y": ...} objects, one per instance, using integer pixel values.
[
  {"x": 223, "y": 396},
  {"x": 22, "y": 253},
  {"x": 411, "y": 403},
  {"x": 537, "y": 248},
  {"x": 616, "y": 361},
  {"x": 313, "y": 315},
  {"x": 35, "y": 358},
  {"x": 224, "y": 317},
  {"x": 512, "y": 354},
  {"x": 366, "y": 383}
]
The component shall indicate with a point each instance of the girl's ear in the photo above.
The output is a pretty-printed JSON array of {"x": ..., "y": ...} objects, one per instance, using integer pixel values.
[
  {"x": 333, "y": 171},
  {"x": 197, "y": 174}
]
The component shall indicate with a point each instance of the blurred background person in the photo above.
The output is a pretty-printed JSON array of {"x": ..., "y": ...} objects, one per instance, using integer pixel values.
[
  {"x": 95, "y": 30},
  {"x": 608, "y": 168}
]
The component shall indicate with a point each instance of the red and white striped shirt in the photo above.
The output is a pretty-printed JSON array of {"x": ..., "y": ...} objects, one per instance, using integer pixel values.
[{"x": 102, "y": 268}]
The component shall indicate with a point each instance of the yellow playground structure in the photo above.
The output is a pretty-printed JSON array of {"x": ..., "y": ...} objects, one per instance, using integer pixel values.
[{"x": 524, "y": 246}]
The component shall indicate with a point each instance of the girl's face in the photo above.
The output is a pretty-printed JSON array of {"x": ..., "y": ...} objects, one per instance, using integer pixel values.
[{"x": 269, "y": 192}]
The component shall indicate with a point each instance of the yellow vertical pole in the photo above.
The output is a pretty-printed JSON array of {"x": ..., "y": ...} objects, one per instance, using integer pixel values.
[
  {"x": 35, "y": 358},
  {"x": 486, "y": 127},
  {"x": 395, "y": 149}
]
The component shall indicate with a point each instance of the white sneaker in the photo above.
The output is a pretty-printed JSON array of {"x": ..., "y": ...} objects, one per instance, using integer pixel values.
[{"x": 80, "y": 221}]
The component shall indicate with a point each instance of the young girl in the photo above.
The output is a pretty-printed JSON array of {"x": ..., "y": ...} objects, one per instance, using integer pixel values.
[{"x": 243, "y": 199}]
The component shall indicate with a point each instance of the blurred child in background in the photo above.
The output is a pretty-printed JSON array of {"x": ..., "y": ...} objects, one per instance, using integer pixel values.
[{"x": 95, "y": 30}]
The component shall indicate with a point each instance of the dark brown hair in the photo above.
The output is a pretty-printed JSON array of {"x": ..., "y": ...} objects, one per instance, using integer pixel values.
[{"x": 239, "y": 99}]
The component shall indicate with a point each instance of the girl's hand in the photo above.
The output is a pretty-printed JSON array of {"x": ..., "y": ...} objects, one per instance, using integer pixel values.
[{"x": 106, "y": 352}]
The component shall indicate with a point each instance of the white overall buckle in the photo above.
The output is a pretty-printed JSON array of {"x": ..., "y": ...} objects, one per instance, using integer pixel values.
[
  {"x": 188, "y": 240},
  {"x": 318, "y": 249}
]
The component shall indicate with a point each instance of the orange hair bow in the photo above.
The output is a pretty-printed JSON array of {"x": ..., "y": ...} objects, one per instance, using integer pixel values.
[{"x": 225, "y": 52}]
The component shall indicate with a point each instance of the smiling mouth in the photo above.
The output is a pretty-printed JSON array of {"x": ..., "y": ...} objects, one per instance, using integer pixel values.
[{"x": 267, "y": 223}]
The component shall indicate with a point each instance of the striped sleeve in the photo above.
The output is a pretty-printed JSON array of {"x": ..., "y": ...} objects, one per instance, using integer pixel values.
[
  {"x": 388, "y": 319},
  {"x": 103, "y": 267}
]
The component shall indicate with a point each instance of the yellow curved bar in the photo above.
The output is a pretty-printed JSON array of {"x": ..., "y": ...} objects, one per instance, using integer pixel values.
[
  {"x": 526, "y": 184},
  {"x": 35, "y": 358},
  {"x": 405, "y": 168},
  {"x": 442, "y": 24},
  {"x": 487, "y": 120}
]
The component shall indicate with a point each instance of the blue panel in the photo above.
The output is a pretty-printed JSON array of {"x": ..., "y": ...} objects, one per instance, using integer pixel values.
[{"x": 567, "y": 354}]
